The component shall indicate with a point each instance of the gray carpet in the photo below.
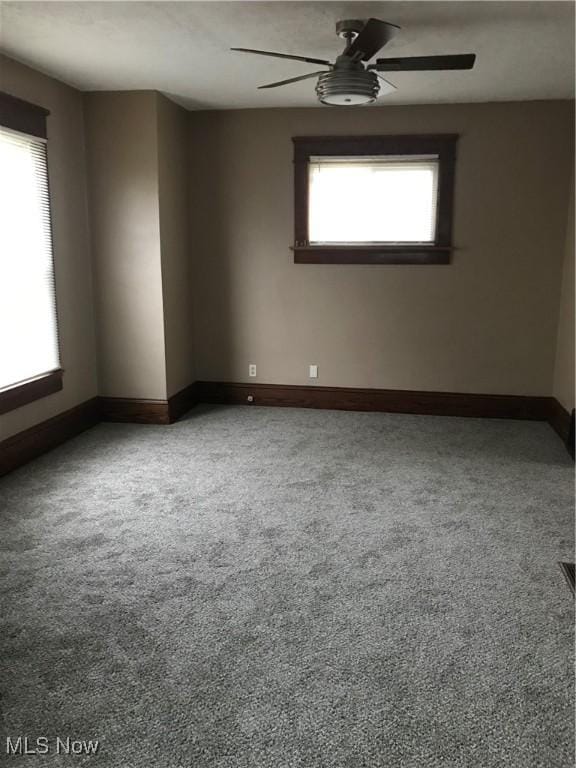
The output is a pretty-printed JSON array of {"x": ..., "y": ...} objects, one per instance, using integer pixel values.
[{"x": 272, "y": 588}]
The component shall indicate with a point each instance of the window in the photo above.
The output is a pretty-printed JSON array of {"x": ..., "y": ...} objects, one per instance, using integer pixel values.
[
  {"x": 397, "y": 204},
  {"x": 374, "y": 199},
  {"x": 29, "y": 353}
]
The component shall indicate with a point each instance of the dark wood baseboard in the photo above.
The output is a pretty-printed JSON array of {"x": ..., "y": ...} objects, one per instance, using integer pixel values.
[
  {"x": 21, "y": 448},
  {"x": 559, "y": 419},
  {"x": 134, "y": 411},
  {"x": 182, "y": 402},
  {"x": 385, "y": 400},
  {"x": 32, "y": 442},
  {"x": 562, "y": 423},
  {"x": 27, "y": 445}
]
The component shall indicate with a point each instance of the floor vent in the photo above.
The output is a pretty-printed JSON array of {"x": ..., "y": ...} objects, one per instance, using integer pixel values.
[{"x": 568, "y": 571}]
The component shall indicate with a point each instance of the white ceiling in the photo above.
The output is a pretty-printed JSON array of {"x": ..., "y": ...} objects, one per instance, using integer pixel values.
[{"x": 525, "y": 49}]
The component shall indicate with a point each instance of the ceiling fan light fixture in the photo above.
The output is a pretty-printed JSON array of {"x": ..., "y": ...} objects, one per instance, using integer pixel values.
[{"x": 347, "y": 88}]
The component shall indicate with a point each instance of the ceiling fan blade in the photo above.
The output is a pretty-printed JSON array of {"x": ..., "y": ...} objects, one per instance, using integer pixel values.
[
  {"x": 386, "y": 87},
  {"x": 293, "y": 80},
  {"x": 424, "y": 63},
  {"x": 282, "y": 56},
  {"x": 374, "y": 36}
]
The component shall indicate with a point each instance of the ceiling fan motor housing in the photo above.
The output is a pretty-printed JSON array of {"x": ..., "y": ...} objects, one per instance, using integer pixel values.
[{"x": 347, "y": 84}]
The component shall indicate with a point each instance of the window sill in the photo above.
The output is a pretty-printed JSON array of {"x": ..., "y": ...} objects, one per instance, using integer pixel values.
[
  {"x": 371, "y": 254},
  {"x": 34, "y": 389}
]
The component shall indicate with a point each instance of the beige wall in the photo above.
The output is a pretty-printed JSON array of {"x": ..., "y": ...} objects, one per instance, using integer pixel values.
[
  {"x": 174, "y": 244},
  {"x": 122, "y": 144},
  {"x": 564, "y": 368},
  {"x": 66, "y": 166},
  {"x": 486, "y": 323},
  {"x": 138, "y": 183},
  {"x": 489, "y": 322}
]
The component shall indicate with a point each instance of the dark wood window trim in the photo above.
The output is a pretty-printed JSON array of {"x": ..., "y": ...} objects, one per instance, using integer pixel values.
[
  {"x": 28, "y": 391},
  {"x": 19, "y": 115},
  {"x": 443, "y": 145}
]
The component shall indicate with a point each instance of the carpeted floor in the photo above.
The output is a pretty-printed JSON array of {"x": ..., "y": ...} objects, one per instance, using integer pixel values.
[{"x": 277, "y": 588}]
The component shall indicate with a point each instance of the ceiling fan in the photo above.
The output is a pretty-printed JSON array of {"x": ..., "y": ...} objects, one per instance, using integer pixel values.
[{"x": 349, "y": 81}]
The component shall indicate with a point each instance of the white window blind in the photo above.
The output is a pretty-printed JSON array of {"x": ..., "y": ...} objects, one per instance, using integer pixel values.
[
  {"x": 28, "y": 325},
  {"x": 368, "y": 200}
]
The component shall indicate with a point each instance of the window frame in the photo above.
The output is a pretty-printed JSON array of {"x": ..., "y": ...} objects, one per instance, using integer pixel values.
[
  {"x": 438, "y": 252},
  {"x": 27, "y": 118}
]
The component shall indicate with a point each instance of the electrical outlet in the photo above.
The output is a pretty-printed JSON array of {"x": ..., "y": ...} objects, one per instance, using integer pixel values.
[
  {"x": 313, "y": 374},
  {"x": 251, "y": 369}
]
